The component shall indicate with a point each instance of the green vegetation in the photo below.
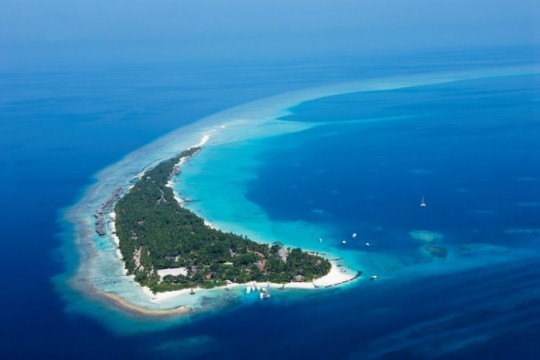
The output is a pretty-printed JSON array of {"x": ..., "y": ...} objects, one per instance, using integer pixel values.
[{"x": 155, "y": 233}]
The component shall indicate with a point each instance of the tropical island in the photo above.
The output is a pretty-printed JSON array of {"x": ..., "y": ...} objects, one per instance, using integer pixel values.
[{"x": 158, "y": 235}]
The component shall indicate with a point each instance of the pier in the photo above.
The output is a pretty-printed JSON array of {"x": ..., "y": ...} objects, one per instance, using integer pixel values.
[{"x": 103, "y": 209}]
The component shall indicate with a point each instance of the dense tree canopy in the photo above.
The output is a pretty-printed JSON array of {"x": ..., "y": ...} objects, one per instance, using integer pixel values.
[{"x": 155, "y": 233}]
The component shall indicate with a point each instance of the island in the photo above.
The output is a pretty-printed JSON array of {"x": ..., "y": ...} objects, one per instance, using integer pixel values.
[{"x": 168, "y": 247}]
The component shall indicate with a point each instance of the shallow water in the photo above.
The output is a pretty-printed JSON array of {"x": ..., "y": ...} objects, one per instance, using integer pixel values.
[
  {"x": 480, "y": 302},
  {"x": 469, "y": 147}
]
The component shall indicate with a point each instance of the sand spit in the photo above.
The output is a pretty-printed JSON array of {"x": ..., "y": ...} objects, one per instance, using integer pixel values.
[{"x": 139, "y": 310}]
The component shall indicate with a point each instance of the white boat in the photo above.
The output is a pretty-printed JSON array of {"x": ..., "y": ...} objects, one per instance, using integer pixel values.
[
  {"x": 248, "y": 289},
  {"x": 354, "y": 235},
  {"x": 367, "y": 244},
  {"x": 373, "y": 277},
  {"x": 264, "y": 294},
  {"x": 422, "y": 203},
  {"x": 343, "y": 242}
]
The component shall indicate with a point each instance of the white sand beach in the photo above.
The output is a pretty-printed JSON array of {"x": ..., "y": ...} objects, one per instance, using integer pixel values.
[
  {"x": 338, "y": 274},
  {"x": 126, "y": 305}
]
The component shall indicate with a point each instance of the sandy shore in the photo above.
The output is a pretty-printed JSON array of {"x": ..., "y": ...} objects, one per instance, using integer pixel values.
[
  {"x": 336, "y": 276},
  {"x": 123, "y": 303}
]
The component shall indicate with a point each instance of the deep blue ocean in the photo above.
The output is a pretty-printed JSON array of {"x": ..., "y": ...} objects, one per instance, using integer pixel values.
[{"x": 469, "y": 147}]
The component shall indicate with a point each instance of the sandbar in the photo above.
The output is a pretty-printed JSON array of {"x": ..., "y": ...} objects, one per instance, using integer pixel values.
[{"x": 126, "y": 305}]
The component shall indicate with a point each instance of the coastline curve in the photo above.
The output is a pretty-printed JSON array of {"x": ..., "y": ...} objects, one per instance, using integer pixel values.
[{"x": 98, "y": 270}]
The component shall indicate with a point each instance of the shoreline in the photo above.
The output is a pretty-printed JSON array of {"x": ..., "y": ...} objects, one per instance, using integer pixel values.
[
  {"x": 336, "y": 276},
  {"x": 140, "y": 310},
  {"x": 254, "y": 119}
]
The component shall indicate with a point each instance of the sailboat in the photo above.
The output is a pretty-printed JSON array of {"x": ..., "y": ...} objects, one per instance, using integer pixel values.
[{"x": 422, "y": 203}]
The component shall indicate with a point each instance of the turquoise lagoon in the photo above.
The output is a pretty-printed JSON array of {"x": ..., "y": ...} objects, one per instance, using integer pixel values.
[
  {"x": 327, "y": 162},
  {"x": 362, "y": 165}
]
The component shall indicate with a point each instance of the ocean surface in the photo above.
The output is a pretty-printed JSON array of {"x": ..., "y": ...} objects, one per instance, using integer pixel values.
[{"x": 337, "y": 153}]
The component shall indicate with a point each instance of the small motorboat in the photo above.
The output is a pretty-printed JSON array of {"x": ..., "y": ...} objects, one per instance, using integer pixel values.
[{"x": 264, "y": 294}]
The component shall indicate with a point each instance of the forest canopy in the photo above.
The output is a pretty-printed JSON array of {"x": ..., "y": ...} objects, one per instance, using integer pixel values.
[{"x": 156, "y": 233}]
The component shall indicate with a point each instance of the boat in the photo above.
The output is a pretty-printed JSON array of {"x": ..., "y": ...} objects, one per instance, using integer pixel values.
[
  {"x": 422, "y": 203},
  {"x": 192, "y": 292},
  {"x": 374, "y": 277},
  {"x": 344, "y": 242},
  {"x": 248, "y": 289},
  {"x": 354, "y": 235},
  {"x": 367, "y": 244},
  {"x": 264, "y": 294}
]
